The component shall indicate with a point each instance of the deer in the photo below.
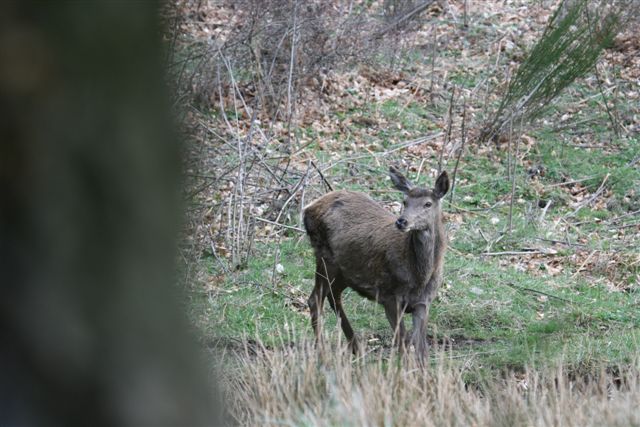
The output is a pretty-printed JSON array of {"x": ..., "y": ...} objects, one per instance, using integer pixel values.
[{"x": 395, "y": 261}]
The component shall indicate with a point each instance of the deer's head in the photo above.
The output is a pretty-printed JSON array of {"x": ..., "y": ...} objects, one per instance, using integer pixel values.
[{"x": 421, "y": 206}]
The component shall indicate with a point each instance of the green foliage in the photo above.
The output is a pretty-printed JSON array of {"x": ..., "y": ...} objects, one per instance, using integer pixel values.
[{"x": 567, "y": 50}]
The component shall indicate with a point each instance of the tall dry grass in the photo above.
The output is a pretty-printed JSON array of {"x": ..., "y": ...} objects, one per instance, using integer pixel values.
[{"x": 297, "y": 386}]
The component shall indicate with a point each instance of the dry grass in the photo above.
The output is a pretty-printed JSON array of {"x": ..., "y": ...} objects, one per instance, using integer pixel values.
[{"x": 296, "y": 386}]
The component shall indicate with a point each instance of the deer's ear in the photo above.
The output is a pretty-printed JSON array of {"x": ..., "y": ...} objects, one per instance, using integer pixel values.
[
  {"x": 442, "y": 185},
  {"x": 399, "y": 180}
]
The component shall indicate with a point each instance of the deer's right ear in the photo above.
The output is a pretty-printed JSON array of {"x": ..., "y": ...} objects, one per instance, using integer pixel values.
[
  {"x": 442, "y": 185},
  {"x": 399, "y": 180}
]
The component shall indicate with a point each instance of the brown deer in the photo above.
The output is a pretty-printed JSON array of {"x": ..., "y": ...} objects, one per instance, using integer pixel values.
[{"x": 395, "y": 261}]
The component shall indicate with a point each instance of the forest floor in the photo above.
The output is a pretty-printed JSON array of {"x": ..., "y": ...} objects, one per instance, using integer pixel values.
[{"x": 543, "y": 265}]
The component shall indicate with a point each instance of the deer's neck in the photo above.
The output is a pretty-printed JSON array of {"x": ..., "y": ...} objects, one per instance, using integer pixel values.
[{"x": 421, "y": 243}]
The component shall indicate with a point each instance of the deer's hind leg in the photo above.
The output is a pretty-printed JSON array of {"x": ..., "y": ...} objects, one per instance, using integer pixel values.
[
  {"x": 335, "y": 301},
  {"x": 325, "y": 277}
]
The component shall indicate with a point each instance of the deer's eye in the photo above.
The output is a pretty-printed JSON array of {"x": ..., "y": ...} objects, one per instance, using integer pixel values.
[
  {"x": 404, "y": 203},
  {"x": 428, "y": 205}
]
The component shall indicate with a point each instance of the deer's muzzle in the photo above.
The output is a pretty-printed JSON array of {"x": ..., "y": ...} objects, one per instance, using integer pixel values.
[{"x": 402, "y": 224}]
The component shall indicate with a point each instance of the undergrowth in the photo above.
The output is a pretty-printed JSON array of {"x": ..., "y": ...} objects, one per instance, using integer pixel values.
[
  {"x": 537, "y": 321},
  {"x": 298, "y": 385}
]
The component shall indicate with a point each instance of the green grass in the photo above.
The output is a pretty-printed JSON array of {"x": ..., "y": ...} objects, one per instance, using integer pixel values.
[
  {"x": 500, "y": 326},
  {"x": 503, "y": 311}
]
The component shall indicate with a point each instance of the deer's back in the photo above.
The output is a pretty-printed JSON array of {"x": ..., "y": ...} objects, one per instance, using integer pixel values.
[
  {"x": 353, "y": 233},
  {"x": 345, "y": 216}
]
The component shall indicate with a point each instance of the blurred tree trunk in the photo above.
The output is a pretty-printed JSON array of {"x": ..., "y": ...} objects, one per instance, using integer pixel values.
[{"x": 91, "y": 327}]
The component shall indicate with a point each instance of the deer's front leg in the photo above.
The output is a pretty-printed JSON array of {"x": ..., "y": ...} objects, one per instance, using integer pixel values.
[
  {"x": 419, "y": 330},
  {"x": 394, "y": 315},
  {"x": 421, "y": 314}
]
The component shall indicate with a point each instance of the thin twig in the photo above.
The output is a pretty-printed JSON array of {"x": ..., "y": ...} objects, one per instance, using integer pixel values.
[
  {"x": 544, "y": 211},
  {"x": 535, "y": 291},
  {"x": 449, "y": 126},
  {"x": 292, "y": 61},
  {"x": 575, "y": 181},
  {"x": 465, "y": 17},
  {"x": 456, "y": 209},
  {"x": 590, "y": 199},
  {"x": 583, "y": 264},
  {"x": 433, "y": 62},
  {"x": 384, "y": 154},
  {"x": 614, "y": 122},
  {"x": 408, "y": 144},
  {"x": 255, "y": 153},
  {"x": 518, "y": 253},
  {"x": 290, "y": 227},
  {"x": 304, "y": 188},
  {"x": 618, "y": 218},
  {"x": 628, "y": 225},
  {"x": 215, "y": 254},
  {"x": 482, "y": 235},
  {"x": 513, "y": 176},
  {"x": 293, "y": 194},
  {"x": 324, "y": 180},
  {"x": 510, "y": 169},
  {"x": 413, "y": 12},
  {"x": 562, "y": 242},
  {"x": 276, "y": 258},
  {"x": 464, "y": 138}
]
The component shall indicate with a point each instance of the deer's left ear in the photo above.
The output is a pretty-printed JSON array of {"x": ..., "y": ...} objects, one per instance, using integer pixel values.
[
  {"x": 399, "y": 180},
  {"x": 442, "y": 185}
]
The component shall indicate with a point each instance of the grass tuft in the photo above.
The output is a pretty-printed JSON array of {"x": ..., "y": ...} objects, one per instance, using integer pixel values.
[{"x": 298, "y": 385}]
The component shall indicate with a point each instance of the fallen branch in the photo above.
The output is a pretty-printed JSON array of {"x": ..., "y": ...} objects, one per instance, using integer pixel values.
[
  {"x": 583, "y": 264},
  {"x": 532, "y": 252},
  {"x": 291, "y": 227},
  {"x": 590, "y": 199},
  {"x": 618, "y": 218},
  {"x": 457, "y": 209},
  {"x": 621, "y": 226},
  {"x": 575, "y": 181},
  {"x": 522, "y": 288},
  {"x": 562, "y": 242}
]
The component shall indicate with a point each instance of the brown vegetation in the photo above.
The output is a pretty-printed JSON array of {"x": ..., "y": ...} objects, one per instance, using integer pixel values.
[{"x": 297, "y": 386}]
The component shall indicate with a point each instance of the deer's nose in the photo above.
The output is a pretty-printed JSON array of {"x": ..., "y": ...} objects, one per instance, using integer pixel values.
[{"x": 401, "y": 223}]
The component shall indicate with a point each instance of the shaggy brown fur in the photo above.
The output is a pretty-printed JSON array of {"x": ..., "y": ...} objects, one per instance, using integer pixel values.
[{"x": 396, "y": 262}]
